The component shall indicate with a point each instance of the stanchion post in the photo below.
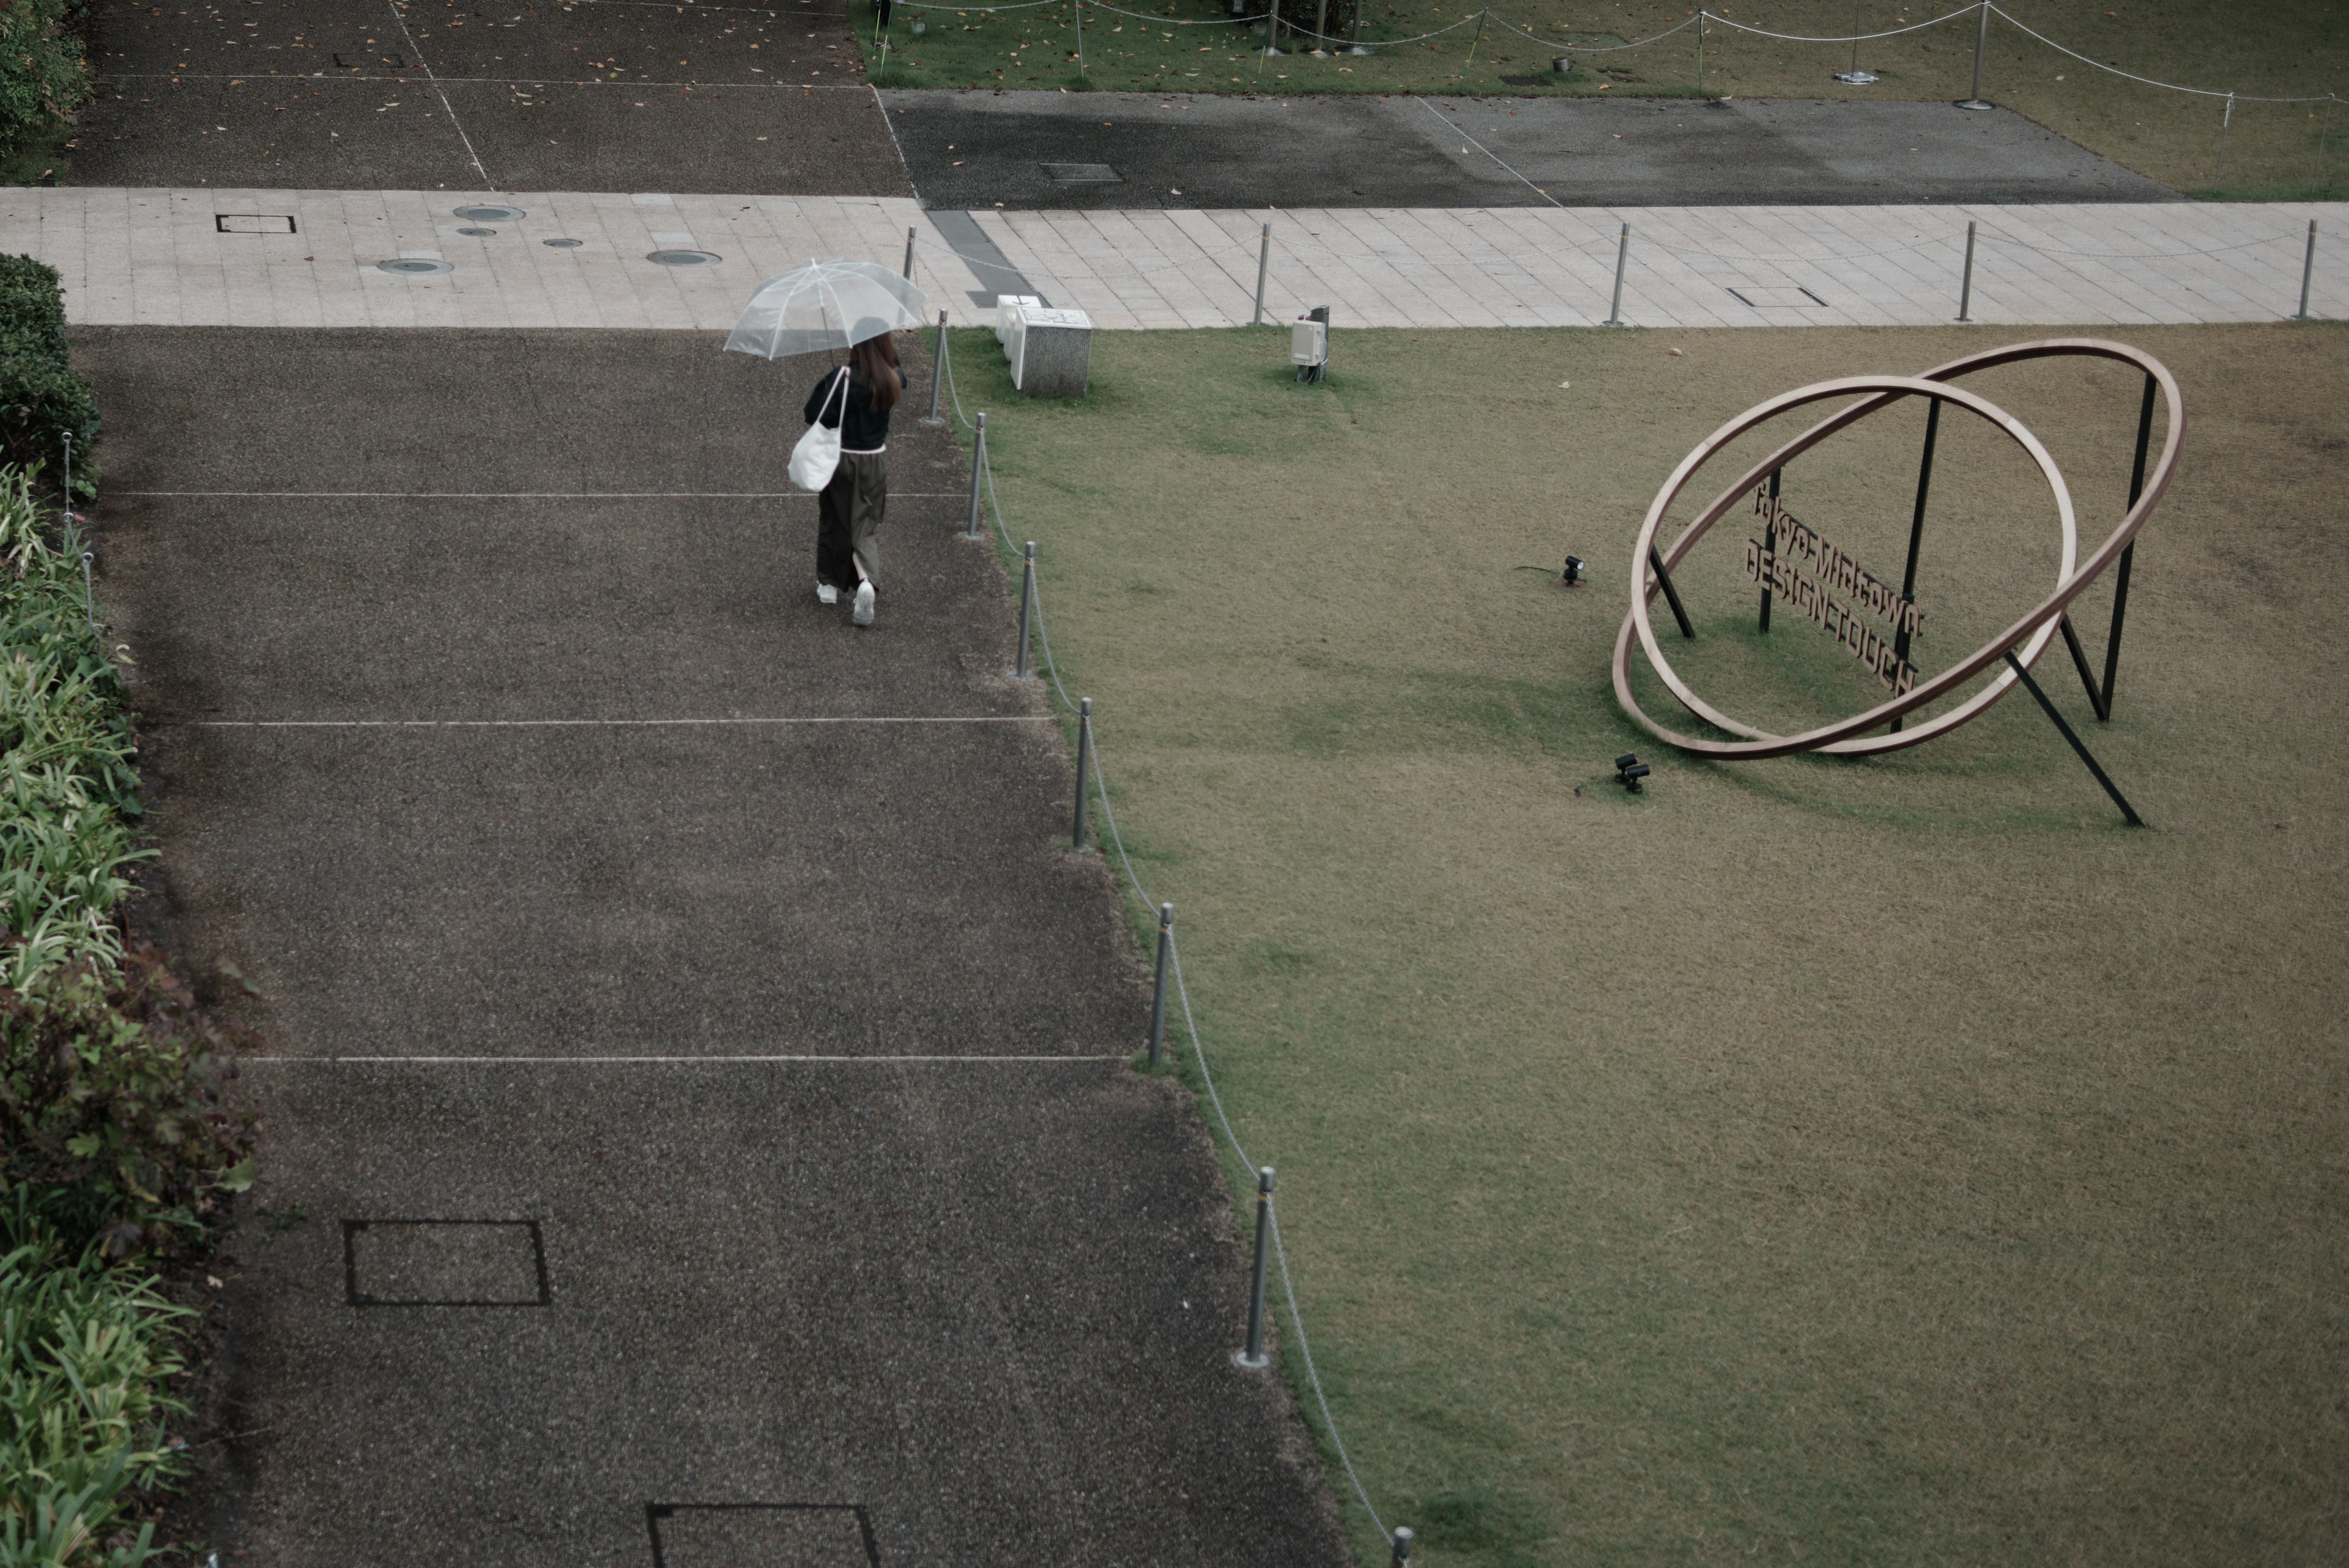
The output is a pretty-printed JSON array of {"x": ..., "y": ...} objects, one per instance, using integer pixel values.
[
  {"x": 1084, "y": 764},
  {"x": 1402, "y": 1540},
  {"x": 1699, "y": 51},
  {"x": 1253, "y": 1357},
  {"x": 978, "y": 475},
  {"x": 66, "y": 437},
  {"x": 1158, "y": 987},
  {"x": 89, "y": 596},
  {"x": 1981, "y": 42},
  {"x": 1263, "y": 262},
  {"x": 1622, "y": 251},
  {"x": 1027, "y": 608},
  {"x": 2307, "y": 271},
  {"x": 1966, "y": 285},
  {"x": 937, "y": 373},
  {"x": 909, "y": 255},
  {"x": 1480, "y": 38},
  {"x": 2226, "y": 123}
]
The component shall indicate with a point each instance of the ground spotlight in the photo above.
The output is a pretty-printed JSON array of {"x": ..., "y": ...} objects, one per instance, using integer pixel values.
[
  {"x": 1630, "y": 770},
  {"x": 1573, "y": 573}
]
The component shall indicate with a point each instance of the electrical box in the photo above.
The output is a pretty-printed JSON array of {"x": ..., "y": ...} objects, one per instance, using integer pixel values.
[{"x": 1309, "y": 343}]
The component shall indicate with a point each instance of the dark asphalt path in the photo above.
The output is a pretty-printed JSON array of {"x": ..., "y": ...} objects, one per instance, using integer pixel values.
[
  {"x": 366, "y": 95},
  {"x": 990, "y": 1303},
  {"x": 976, "y": 149}
]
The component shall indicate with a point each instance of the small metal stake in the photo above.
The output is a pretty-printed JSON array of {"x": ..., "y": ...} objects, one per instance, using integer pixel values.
[
  {"x": 1027, "y": 608},
  {"x": 1622, "y": 250},
  {"x": 67, "y": 437},
  {"x": 1981, "y": 42},
  {"x": 2307, "y": 271},
  {"x": 88, "y": 601},
  {"x": 1254, "y": 1357},
  {"x": 1966, "y": 287},
  {"x": 937, "y": 373},
  {"x": 1084, "y": 761},
  {"x": 1158, "y": 988},
  {"x": 978, "y": 468},
  {"x": 1402, "y": 1540},
  {"x": 1263, "y": 261},
  {"x": 909, "y": 255}
]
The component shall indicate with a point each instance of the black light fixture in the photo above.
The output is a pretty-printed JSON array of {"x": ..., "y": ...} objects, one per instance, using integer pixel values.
[
  {"x": 1630, "y": 770},
  {"x": 1573, "y": 573}
]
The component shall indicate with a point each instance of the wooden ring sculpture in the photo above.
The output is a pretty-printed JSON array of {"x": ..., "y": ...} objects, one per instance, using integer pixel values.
[{"x": 2027, "y": 638}]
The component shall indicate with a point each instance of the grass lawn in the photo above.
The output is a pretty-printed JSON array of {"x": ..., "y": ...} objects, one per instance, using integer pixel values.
[
  {"x": 2284, "y": 48},
  {"x": 1810, "y": 1162}
]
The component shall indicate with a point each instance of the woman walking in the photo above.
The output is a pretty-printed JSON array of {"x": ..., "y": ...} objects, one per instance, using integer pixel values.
[{"x": 850, "y": 509}]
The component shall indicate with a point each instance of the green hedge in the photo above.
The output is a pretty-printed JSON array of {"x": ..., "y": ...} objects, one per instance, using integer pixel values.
[
  {"x": 44, "y": 77},
  {"x": 42, "y": 396}
]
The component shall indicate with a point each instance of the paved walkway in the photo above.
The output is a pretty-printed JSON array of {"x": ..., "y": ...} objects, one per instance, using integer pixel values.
[{"x": 162, "y": 257}]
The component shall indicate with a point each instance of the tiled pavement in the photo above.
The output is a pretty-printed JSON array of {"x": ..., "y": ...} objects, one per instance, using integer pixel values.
[{"x": 161, "y": 257}]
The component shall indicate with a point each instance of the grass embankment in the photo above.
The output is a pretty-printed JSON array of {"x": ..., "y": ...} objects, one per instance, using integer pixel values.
[
  {"x": 2272, "y": 150},
  {"x": 117, "y": 1148},
  {"x": 1807, "y": 1161}
]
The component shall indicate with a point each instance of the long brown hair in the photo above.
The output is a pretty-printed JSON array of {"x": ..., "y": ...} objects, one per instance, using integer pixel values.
[{"x": 870, "y": 358}]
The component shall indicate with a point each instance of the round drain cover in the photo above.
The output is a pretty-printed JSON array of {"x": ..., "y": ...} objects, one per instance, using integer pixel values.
[
  {"x": 684, "y": 259},
  {"x": 563, "y": 244},
  {"x": 490, "y": 215},
  {"x": 477, "y": 234},
  {"x": 412, "y": 265}
]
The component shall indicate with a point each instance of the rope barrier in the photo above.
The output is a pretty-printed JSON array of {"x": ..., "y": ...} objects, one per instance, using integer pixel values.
[
  {"x": 1848, "y": 38},
  {"x": 2148, "y": 82},
  {"x": 1181, "y": 991}
]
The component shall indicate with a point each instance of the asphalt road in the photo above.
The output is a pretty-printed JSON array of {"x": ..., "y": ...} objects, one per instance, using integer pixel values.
[
  {"x": 979, "y": 149},
  {"x": 990, "y": 1303},
  {"x": 364, "y": 95}
]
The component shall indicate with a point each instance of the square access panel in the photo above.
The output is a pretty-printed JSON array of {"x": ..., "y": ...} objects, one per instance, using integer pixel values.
[
  {"x": 362, "y": 60},
  {"x": 1082, "y": 173},
  {"x": 444, "y": 1263},
  {"x": 254, "y": 223},
  {"x": 760, "y": 1535}
]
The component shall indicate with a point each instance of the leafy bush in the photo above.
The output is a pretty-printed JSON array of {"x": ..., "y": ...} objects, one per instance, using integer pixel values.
[
  {"x": 42, "y": 396},
  {"x": 87, "y": 1355},
  {"x": 44, "y": 77}
]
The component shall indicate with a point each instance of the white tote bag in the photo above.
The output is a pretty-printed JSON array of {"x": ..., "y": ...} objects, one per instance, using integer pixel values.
[{"x": 818, "y": 452}]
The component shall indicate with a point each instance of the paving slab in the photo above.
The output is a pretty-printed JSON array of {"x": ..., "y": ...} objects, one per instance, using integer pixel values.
[
  {"x": 700, "y": 1088},
  {"x": 981, "y": 149},
  {"x": 431, "y": 94}
]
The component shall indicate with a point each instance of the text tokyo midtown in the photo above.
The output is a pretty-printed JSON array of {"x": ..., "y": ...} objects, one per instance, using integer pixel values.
[{"x": 1773, "y": 565}]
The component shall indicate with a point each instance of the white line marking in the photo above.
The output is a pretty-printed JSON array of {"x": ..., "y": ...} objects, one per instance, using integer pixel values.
[
  {"x": 417, "y": 55},
  {"x": 513, "y": 494},
  {"x": 569, "y": 723},
  {"x": 641, "y": 1061}
]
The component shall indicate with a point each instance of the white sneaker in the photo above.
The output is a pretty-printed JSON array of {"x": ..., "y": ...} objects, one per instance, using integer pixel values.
[
  {"x": 825, "y": 594},
  {"x": 863, "y": 613}
]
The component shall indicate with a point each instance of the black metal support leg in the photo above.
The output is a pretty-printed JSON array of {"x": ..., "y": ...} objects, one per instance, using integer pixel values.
[
  {"x": 2065, "y": 730},
  {"x": 1917, "y": 526},
  {"x": 2100, "y": 693},
  {"x": 1769, "y": 542},
  {"x": 1671, "y": 593}
]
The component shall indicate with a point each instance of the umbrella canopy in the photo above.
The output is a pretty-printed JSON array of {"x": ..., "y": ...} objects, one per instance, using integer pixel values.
[{"x": 824, "y": 305}]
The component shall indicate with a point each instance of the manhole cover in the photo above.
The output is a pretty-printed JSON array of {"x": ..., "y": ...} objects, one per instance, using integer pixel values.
[
  {"x": 684, "y": 259},
  {"x": 492, "y": 214},
  {"x": 1083, "y": 173},
  {"x": 477, "y": 234},
  {"x": 413, "y": 265},
  {"x": 563, "y": 244}
]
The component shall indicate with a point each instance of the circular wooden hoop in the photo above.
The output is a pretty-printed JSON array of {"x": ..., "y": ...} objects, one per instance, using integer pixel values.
[{"x": 1848, "y": 737}]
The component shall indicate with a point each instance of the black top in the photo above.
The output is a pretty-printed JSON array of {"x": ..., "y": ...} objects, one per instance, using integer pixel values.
[{"x": 868, "y": 428}]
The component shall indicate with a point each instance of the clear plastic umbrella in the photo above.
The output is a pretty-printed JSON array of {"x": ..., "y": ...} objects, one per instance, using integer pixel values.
[{"x": 824, "y": 305}]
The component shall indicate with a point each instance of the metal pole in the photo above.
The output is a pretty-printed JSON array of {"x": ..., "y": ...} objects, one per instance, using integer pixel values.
[
  {"x": 1078, "y": 11},
  {"x": 1263, "y": 261},
  {"x": 977, "y": 468},
  {"x": 1158, "y": 989},
  {"x": 1358, "y": 47},
  {"x": 1917, "y": 530},
  {"x": 1699, "y": 52},
  {"x": 937, "y": 372},
  {"x": 1769, "y": 545},
  {"x": 1622, "y": 250},
  {"x": 1981, "y": 42},
  {"x": 88, "y": 601},
  {"x": 1084, "y": 762},
  {"x": 2078, "y": 745},
  {"x": 1254, "y": 1357},
  {"x": 2225, "y": 121},
  {"x": 67, "y": 437},
  {"x": 1027, "y": 609},
  {"x": 1855, "y": 40},
  {"x": 1402, "y": 1540},
  {"x": 1480, "y": 38},
  {"x": 2307, "y": 271},
  {"x": 909, "y": 255},
  {"x": 2128, "y": 553},
  {"x": 1966, "y": 287}
]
